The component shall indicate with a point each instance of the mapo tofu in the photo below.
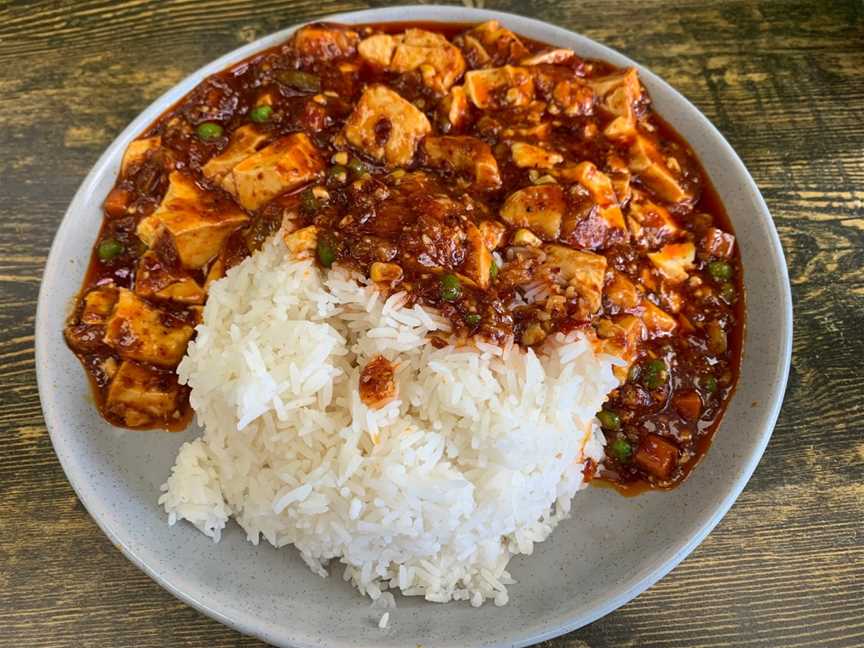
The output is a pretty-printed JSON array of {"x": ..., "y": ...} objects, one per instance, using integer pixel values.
[{"x": 517, "y": 187}]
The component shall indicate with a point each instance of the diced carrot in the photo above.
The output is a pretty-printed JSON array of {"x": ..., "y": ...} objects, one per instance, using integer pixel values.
[
  {"x": 718, "y": 244},
  {"x": 688, "y": 404},
  {"x": 657, "y": 456},
  {"x": 116, "y": 202},
  {"x": 589, "y": 470}
]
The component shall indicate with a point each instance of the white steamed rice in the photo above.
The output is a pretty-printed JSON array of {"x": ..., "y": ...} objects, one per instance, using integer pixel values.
[{"x": 475, "y": 461}]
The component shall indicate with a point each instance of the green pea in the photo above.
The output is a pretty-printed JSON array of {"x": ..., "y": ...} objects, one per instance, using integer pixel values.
[
  {"x": 209, "y": 131},
  {"x": 720, "y": 270},
  {"x": 356, "y": 167},
  {"x": 451, "y": 288},
  {"x": 654, "y": 374},
  {"x": 609, "y": 420},
  {"x": 620, "y": 450},
  {"x": 337, "y": 174},
  {"x": 308, "y": 202},
  {"x": 326, "y": 253},
  {"x": 493, "y": 270},
  {"x": 109, "y": 248},
  {"x": 710, "y": 384},
  {"x": 728, "y": 293},
  {"x": 301, "y": 80},
  {"x": 260, "y": 114},
  {"x": 473, "y": 319}
]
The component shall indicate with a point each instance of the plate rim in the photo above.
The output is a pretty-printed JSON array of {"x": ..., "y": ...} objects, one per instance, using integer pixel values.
[{"x": 246, "y": 622}]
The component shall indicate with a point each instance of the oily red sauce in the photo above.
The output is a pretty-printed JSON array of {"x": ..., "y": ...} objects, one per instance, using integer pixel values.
[{"x": 415, "y": 216}]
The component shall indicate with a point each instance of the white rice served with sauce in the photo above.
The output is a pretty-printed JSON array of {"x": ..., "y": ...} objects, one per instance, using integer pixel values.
[{"x": 475, "y": 460}]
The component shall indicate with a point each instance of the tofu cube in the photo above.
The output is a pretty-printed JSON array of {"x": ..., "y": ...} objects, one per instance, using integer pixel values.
[
  {"x": 492, "y": 44},
  {"x": 378, "y": 49},
  {"x": 440, "y": 63},
  {"x": 584, "y": 271},
  {"x": 454, "y": 107},
  {"x": 245, "y": 141},
  {"x": 622, "y": 336},
  {"x": 674, "y": 260},
  {"x": 651, "y": 167},
  {"x": 503, "y": 87},
  {"x": 141, "y": 397},
  {"x": 197, "y": 222},
  {"x": 573, "y": 97},
  {"x": 528, "y": 156},
  {"x": 619, "y": 173},
  {"x": 493, "y": 233},
  {"x": 325, "y": 42},
  {"x": 659, "y": 322},
  {"x": 622, "y": 292},
  {"x": 549, "y": 57},
  {"x": 138, "y": 151},
  {"x": 617, "y": 94},
  {"x": 478, "y": 261},
  {"x": 286, "y": 164},
  {"x": 98, "y": 305},
  {"x": 302, "y": 242},
  {"x": 154, "y": 279},
  {"x": 140, "y": 331},
  {"x": 539, "y": 208},
  {"x": 386, "y": 126},
  {"x": 464, "y": 153},
  {"x": 651, "y": 224},
  {"x": 600, "y": 188}
]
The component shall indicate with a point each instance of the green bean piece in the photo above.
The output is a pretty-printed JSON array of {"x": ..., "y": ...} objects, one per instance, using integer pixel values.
[
  {"x": 326, "y": 253},
  {"x": 493, "y": 270},
  {"x": 720, "y": 270},
  {"x": 451, "y": 288},
  {"x": 209, "y": 131},
  {"x": 260, "y": 114},
  {"x": 609, "y": 420},
  {"x": 303, "y": 81},
  {"x": 109, "y": 248},
  {"x": 620, "y": 450}
]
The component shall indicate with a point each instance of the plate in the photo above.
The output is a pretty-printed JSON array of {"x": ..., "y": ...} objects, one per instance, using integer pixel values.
[{"x": 611, "y": 550}]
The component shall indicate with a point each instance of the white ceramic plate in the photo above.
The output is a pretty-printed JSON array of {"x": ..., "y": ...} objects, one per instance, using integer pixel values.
[{"x": 611, "y": 551}]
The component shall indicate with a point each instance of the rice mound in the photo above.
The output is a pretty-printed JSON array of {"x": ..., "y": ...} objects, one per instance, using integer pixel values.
[{"x": 476, "y": 459}]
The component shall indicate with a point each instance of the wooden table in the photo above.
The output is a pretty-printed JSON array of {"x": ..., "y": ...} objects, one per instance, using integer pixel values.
[{"x": 784, "y": 81}]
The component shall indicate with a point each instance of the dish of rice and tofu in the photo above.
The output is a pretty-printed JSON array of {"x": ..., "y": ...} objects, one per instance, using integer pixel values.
[{"x": 419, "y": 284}]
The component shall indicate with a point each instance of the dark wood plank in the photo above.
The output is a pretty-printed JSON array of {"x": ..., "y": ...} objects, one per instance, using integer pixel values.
[{"x": 783, "y": 80}]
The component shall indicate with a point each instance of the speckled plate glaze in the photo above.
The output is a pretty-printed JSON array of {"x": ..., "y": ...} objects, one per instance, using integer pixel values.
[{"x": 613, "y": 549}]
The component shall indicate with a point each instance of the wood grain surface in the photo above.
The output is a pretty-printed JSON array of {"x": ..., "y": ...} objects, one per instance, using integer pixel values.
[{"x": 784, "y": 82}]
